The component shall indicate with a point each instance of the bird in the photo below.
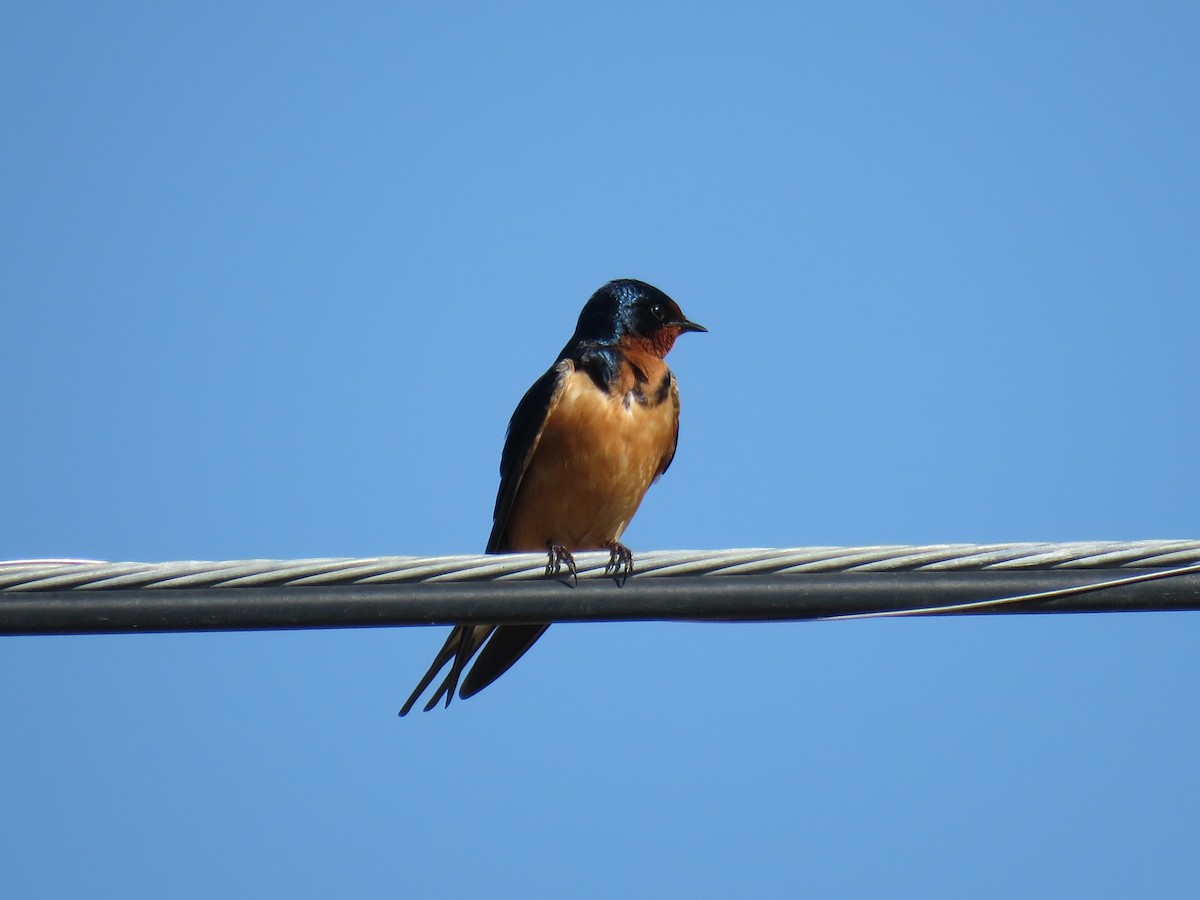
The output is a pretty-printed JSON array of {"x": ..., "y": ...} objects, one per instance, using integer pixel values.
[{"x": 583, "y": 446}]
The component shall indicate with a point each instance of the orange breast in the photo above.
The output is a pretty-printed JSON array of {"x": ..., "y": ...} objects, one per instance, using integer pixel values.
[{"x": 597, "y": 456}]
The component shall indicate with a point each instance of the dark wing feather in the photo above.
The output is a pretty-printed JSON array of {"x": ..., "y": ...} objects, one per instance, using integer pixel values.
[
  {"x": 508, "y": 642},
  {"x": 524, "y": 431},
  {"x": 507, "y": 645},
  {"x": 666, "y": 463}
]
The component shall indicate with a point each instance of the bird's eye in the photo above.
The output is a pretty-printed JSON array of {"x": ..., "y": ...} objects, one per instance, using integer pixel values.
[{"x": 658, "y": 311}]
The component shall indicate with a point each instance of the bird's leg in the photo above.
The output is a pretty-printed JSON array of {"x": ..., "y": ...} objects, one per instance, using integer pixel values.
[
  {"x": 620, "y": 561},
  {"x": 558, "y": 556}
]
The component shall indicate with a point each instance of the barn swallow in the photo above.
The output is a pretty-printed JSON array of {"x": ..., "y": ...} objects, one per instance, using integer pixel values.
[{"x": 583, "y": 446}]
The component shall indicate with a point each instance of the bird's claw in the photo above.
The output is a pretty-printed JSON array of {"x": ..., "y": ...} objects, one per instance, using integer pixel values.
[
  {"x": 620, "y": 562},
  {"x": 559, "y": 556}
]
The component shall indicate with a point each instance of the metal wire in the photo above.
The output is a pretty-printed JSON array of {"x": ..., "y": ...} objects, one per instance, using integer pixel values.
[
  {"x": 81, "y": 596},
  {"x": 59, "y": 574}
]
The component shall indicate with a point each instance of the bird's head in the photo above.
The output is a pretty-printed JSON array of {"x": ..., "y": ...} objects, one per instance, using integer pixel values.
[{"x": 630, "y": 311}]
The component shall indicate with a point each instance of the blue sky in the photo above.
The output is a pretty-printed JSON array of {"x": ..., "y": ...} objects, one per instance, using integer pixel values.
[{"x": 274, "y": 277}]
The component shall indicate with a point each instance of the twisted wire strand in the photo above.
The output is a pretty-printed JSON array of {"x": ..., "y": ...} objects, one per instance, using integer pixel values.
[
  {"x": 1013, "y": 599},
  {"x": 19, "y": 576}
]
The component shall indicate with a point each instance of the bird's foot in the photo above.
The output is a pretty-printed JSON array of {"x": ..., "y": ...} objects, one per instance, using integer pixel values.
[
  {"x": 620, "y": 561},
  {"x": 560, "y": 556}
]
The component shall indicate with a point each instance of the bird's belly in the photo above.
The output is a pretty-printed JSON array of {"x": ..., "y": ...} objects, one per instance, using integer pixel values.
[{"x": 596, "y": 458}]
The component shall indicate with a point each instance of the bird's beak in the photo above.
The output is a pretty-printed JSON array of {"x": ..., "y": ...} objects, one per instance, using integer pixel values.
[{"x": 685, "y": 325}]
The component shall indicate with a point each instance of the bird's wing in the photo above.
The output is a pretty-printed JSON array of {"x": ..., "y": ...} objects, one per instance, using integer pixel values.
[
  {"x": 508, "y": 644},
  {"x": 511, "y": 641},
  {"x": 524, "y": 432},
  {"x": 666, "y": 462}
]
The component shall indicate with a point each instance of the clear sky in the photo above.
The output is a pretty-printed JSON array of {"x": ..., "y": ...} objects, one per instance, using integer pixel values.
[{"x": 275, "y": 275}]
